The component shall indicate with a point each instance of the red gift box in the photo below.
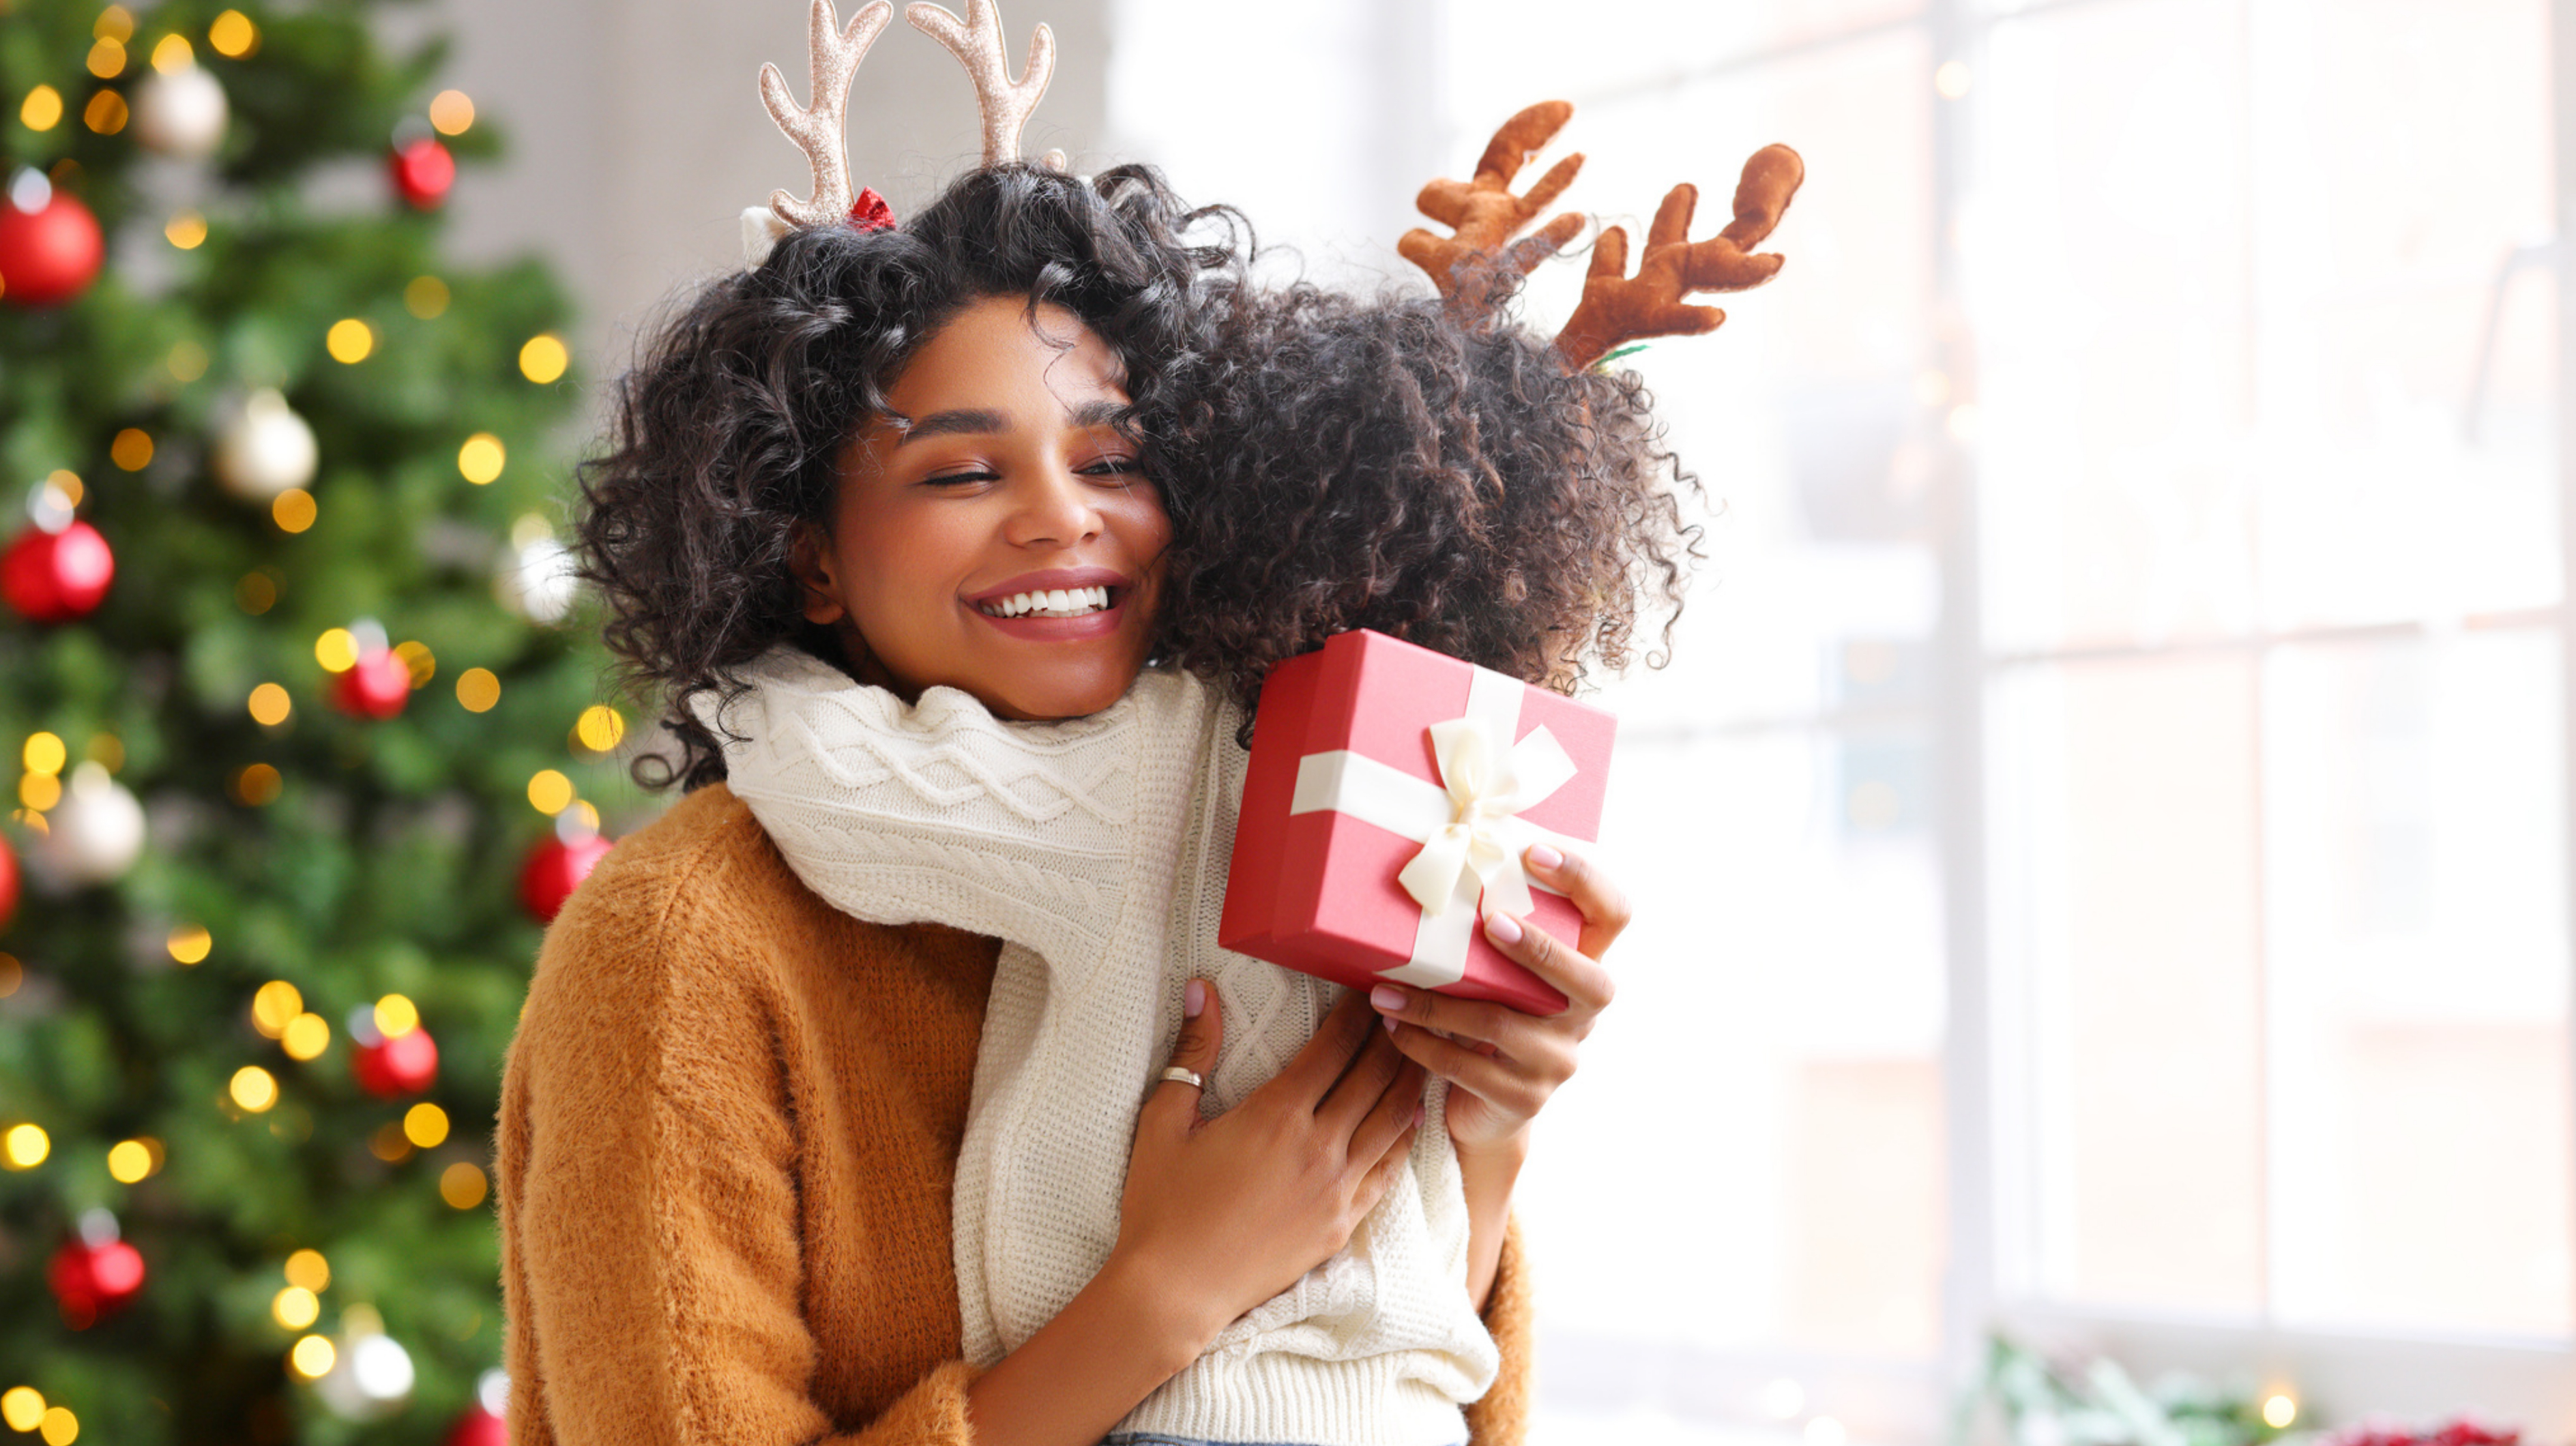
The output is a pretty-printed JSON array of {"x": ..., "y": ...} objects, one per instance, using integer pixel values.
[{"x": 1384, "y": 774}]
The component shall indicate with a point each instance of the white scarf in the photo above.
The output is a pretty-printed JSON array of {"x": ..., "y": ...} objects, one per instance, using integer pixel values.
[{"x": 1096, "y": 849}]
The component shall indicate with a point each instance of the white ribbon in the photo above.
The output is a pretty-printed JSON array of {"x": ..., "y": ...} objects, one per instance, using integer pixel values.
[{"x": 1468, "y": 824}]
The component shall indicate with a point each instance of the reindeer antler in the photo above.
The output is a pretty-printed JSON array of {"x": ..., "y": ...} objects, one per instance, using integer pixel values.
[
  {"x": 1617, "y": 307},
  {"x": 976, "y": 41},
  {"x": 1473, "y": 269},
  {"x": 817, "y": 127}
]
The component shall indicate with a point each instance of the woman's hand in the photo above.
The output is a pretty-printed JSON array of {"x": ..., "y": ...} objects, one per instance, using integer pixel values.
[
  {"x": 1502, "y": 1064},
  {"x": 1227, "y": 1212}
]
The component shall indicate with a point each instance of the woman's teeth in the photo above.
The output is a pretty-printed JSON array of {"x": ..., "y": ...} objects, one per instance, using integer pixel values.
[{"x": 1063, "y": 602}]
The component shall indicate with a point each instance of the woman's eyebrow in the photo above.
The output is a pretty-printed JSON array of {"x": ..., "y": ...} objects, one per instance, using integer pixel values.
[
  {"x": 1098, "y": 412},
  {"x": 949, "y": 424}
]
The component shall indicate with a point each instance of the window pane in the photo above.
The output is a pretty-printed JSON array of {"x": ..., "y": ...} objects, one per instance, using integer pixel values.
[
  {"x": 2125, "y": 938},
  {"x": 2402, "y": 159},
  {"x": 1494, "y": 66},
  {"x": 2420, "y": 1135},
  {"x": 2104, "y": 250},
  {"x": 1781, "y": 996}
]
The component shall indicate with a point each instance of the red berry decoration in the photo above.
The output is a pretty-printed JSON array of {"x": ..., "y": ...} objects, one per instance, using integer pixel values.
[
  {"x": 54, "y": 577},
  {"x": 423, "y": 171},
  {"x": 376, "y": 686},
  {"x": 92, "y": 1281},
  {"x": 554, "y": 869},
  {"x": 50, "y": 253},
  {"x": 389, "y": 1069}
]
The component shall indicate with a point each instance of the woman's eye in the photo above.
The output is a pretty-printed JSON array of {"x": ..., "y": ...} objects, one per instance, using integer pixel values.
[
  {"x": 952, "y": 479},
  {"x": 1113, "y": 466}
]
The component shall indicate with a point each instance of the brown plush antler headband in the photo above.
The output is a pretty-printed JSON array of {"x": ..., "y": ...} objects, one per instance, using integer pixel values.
[
  {"x": 1475, "y": 268},
  {"x": 817, "y": 126}
]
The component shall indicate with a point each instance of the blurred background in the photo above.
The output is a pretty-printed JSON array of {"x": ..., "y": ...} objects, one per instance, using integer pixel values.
[{"x": 2100, "y": 843}]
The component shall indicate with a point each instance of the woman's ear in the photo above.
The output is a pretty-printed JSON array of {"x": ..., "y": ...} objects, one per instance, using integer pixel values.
[{"x": 809, "y": 557}]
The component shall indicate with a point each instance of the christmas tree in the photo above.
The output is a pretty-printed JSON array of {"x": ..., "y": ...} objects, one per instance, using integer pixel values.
[{"x": 289, "y": 652}]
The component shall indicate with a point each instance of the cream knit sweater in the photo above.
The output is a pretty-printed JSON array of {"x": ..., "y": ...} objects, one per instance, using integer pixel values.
[{"x": 1096, "y": 849}]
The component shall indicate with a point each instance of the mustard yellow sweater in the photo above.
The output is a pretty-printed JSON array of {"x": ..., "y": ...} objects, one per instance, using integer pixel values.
[{"x": 728, "y": 1127}]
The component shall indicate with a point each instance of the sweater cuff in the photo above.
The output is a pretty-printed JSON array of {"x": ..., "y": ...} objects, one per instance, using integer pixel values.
[
  {"x": 1501, "y": 1417},
  {"x": 932, "y": 1413}
]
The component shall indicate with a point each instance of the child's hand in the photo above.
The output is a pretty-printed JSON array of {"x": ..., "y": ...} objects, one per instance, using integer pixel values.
[{"x": 1501, "y": 1064}]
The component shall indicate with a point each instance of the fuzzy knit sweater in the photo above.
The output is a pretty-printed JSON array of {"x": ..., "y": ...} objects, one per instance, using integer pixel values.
[
  {"x": 1096, "y": 849},
  {"x": 729, "y": 1123}
]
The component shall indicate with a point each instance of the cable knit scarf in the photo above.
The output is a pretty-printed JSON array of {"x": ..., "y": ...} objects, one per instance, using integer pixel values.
[{"x": 1096, "y": 849}]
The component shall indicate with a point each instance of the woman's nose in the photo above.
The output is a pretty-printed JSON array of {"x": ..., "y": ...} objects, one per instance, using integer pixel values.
[{"x": 1055, "y": 510}]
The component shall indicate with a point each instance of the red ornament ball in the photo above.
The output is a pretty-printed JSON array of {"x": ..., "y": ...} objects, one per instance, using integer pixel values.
[
  {"x": 392, "y": 1068},
  {"x": 376, "y": 686},
  {"x": 423, "y": 171},
  {"x": 478, "y": 1427},
  {"x": 92, "y": 1281},
  {"x": 554, "y": 869},
  {"x": 54, "y": 577},
  {"x": 48, "y": 255}
]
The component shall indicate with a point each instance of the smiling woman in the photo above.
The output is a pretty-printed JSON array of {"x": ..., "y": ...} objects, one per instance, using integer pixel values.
[{"x": 994, "y": 532}]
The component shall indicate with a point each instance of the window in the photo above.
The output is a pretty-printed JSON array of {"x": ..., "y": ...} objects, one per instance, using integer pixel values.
[{"x": 2104, "y": 829}]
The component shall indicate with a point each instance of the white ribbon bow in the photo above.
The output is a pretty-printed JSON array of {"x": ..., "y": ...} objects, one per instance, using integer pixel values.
[{"x": 1489, "y": 780}]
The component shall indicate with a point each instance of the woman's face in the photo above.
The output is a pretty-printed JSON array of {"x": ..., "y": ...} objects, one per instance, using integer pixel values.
[{"x": 995, "y": 533}]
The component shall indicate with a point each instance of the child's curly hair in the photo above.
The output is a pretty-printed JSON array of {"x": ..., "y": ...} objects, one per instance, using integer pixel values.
[{"x": 1328, "y": 462}]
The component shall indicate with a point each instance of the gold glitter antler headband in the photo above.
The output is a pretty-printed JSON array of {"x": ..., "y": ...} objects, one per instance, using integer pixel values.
[
  {"x": 976, "y": 41},
  {"x": 816, "y": 127}
]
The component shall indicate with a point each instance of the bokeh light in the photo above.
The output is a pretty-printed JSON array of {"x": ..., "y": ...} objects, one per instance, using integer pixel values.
[
  {"x": 295, "y": 1308},
  {"x": 187, "y": 361},
  {"x": 132, "y": 449},
  {"x": 549, "y": 791},
  {"x": 107, "y": 58},
  {"x": 130, "y": 1161},
  {"x": 60, "y": 1427},
  {"x": 451, "y": 113},
  {"x": 307, "y": 1035},
  {"x": 232, "y": 35},
  {"x": 426, "y": 297},
  {"x": 258, "y": 785},
  {"x": 173, "y": 53},
  {"x": 25, "y": 1147},
  {"x": 396, "y": 1016},
  {"x": 478, "y": 690},
  {"x": 420, "y": 660},
  {"x": 275, "y": 1006},
  {"x": 425, "y": 1125},
  {"x": 191, "y": 943},
  {"x": 22, "y": 1407},
  {"x": 601, "y": 727},
  {"x": 105, "y": 113},
  {"x": 336, "y": 650},
  {"x": 45, "y": 753},
  {"x": 481, "y": 458},
  {"x": 40, "y": 791},
  {"x": 253, "y": 1088},
  {"x": 270, "y": 703},
  {"x": 462, "y": 1185},
  {"x": 350, "y": 340},
  {"x": 42, "y": 111},
  {"x": 312, "y": 1357},
  {"x": 544, "y": 358},
  {"x": 294, "y": 510},
  {"x": 308, "y": 1269}
]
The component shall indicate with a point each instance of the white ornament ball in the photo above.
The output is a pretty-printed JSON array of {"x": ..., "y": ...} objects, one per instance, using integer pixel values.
[
  {"x": 370, "y": 1378},
  {"x": 537, "y": 581},
  {"x": 93, "y": 836},
  {"x": 264, "y": 448},
  {"x": 181, "y": 113}
]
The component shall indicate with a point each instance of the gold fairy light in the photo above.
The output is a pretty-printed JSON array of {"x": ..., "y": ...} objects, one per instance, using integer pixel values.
[
  {"x": 191, "y": 943},
  {"x": 275, "y": 1006},
  {"x": 22, "y": 1407},
  {"x": 312, "y": 1357},
  {"x": 42, "y": 110},
  {"x": 481, "y": 458},
  {"x": 132, "y": 449},
  {"x": 420, "y": 660},
  {"x": 130, "y": 1161},
  {"x": 114, "y": 23},
  {"x": 258, "y": 785},
  {"x": 426, "y": 298},
  {"x": 308, "y": 1269},
  {"x": 425, "y": 1125},
  {"x": 253, "y": 1088},
  {"x": 350, "y": 340},
  {"x": 463, "y": 1185},
  {"x": 24, "y": 1147},
  {"x": 45, "y": 753},
  {"x": 105, "y": 113},
  {"x": 232, "y": 35},
  {"x": 601, "y": 728},
  {"x": 477, "y": 690},
  {"x": 549, "y": 792},
  {"x": 544, "y": 358},
  {"x": 186, "y": 230},
  {"x": 295, "y": 1308},
  {"x": 40, "y": 791},
  {"x": 336, "y": 650},
  {"x": 256, "y": 592},
  {"x": 307, "y": 1035},
  {"x": 451, "y": 113},
  {"x": 172, "y": 53},
  {"x": 294, "y": 510},
  {"x": 107, "y": 58},
  {"x": 60, "y": 1427},
  {"x": 396, "y": 1016},
  {"x": 270, "y": 704},
  {"x": 389, "y": 1144}
]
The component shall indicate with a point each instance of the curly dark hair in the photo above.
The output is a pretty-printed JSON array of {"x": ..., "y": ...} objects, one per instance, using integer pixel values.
[{"x": 1328, "y": 461}]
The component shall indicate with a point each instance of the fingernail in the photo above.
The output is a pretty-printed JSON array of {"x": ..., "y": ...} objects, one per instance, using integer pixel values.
[
  {"x": 1387, "y": 998},
  {"x": 1389, "y": 1021},
  {"x": 1544, "y": 857},
  {"x": 1504, "y": 928},
  {"x": 1193, "y": 999}
]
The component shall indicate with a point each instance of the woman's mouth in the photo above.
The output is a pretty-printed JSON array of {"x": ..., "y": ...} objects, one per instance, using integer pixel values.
[{"x": 1062, "y": 602}]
